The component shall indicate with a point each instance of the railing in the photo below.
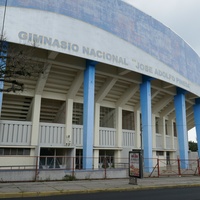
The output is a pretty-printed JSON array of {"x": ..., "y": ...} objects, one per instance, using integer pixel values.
[
  {"x": 168, "y": 142},
  {"x": 52, "y": 134},
  {"x": 15, "y": 133},
  {"x": 159, "y": 141},
  {"x": 15, "y": 162},
  {"x": 128, "y": 138},
  {"x": 176, "y": 146},
  {"x": 77, "y": 135},
  {"x": 107, "y": 137}
]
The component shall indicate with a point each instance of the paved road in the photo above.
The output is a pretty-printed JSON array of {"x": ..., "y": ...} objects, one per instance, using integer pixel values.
[{"x": 188, "y": 193}]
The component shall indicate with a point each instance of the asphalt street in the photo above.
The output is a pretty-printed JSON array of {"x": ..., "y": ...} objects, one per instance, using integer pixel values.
[
  {"x": 188, "y": 193},
  {"x": 112, "y": 186}
]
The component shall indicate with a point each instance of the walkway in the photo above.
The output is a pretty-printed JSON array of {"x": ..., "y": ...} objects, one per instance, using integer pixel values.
[{"x": 33, "y": 189}]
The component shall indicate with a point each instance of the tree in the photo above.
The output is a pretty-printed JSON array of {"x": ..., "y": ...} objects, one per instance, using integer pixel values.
[
  {"x": 17, "y": 64},
  {"x": 193, "y": 146}
]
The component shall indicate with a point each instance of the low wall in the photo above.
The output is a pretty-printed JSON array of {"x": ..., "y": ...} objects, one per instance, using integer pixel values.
[
  {"x": 17, "y": 175},
  {"x": 66, "y": 175}
]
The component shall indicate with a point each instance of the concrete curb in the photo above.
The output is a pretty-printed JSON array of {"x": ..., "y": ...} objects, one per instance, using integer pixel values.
[{"x": 65, "y": 192}]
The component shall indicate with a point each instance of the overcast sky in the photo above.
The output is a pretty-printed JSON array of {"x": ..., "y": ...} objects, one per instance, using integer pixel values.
[{"x": 181, "y": 16}]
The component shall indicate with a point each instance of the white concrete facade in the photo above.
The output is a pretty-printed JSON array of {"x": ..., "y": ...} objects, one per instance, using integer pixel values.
[{"x": 47, "y": 117}]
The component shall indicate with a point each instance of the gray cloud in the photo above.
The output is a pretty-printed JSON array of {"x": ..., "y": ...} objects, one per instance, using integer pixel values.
[{"x": 182, "y": 16}]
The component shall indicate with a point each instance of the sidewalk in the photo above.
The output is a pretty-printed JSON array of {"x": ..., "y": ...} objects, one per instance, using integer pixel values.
[{"x": 33, "y": 189}]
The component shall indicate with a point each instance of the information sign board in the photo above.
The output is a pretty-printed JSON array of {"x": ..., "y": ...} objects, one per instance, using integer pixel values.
[{"x": 135, "y": 164}]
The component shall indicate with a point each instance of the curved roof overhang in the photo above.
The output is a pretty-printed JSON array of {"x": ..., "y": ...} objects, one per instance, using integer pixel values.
[{"x": 116, "y": 35}]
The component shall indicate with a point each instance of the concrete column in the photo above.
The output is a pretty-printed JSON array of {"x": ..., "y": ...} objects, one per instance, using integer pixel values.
[
  {"x": 171, "y": 132},
  {"x": 118, "y": 158},
  {"x": 154, "y": 131},
  {"x": 96, "y": 135},
  {"x": 68, "y": 122},
  {"x": 118, "y": 138},
  {"x": 181, "y": 126},
  {"x": 197, "y": 122},
  {"x": 35, "y": 120},
  {"x": 119, "y": 135},
  {"x": 162, "y": 131},
  {"x": 145, "y": 99},
  {"x": 88, "y": 114},
  {"x": 3, "y": 54},
  {"x": 96, "y": 158},
  {"x": 137, "y": 143},
  {"x": 96, "y": 124}
]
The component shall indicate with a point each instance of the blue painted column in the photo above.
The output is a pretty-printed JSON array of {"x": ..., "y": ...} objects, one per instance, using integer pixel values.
[
  {"x": 145, "y": 101},
  {"x": 88, "y": 114},
  {"x": 181, "y": 126},
  {"x": 3, "y": 54},
  {"x": 197, "y": 122}
]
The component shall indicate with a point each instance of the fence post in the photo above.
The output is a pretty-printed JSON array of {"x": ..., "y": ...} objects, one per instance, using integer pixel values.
[
  {"x": 36, "y": 168},
  {"x": 105, "y": 167},
  {"x": 73, "y": 169},
  {"x": 158, "y": 167},
  {"x": 179, "y": 167}
]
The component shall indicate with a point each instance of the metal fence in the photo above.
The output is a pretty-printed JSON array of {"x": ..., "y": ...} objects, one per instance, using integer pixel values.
[
  {"x": 173, "y": 167},
  {"x": 27, "y": 168}
]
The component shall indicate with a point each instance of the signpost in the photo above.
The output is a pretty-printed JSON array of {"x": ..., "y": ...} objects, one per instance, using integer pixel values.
[{"x": 135, "y": 166}]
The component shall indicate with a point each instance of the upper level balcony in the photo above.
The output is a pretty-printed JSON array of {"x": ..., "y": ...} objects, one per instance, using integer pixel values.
[{"x": 18, "y": 133}]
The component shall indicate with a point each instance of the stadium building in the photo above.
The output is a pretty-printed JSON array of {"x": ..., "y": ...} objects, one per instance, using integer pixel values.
[{"x": 115, "y": 80}]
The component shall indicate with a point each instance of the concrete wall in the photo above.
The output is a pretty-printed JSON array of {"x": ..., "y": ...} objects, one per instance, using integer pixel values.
[{"x": 52, "y": 175}]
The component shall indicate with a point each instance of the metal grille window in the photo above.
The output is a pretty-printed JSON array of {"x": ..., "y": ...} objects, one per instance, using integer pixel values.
[
  {"x": 175, "y": 132},
  {"x": 128, "y": 121},
  {"x": 157, "y": 126},
  {"x": 77, "y": 114},
  {"x": 166, "y": 127},
  {"x": 14, "y": 151},
  {"x": 107, "y": 117},
  {"x": 159, "y": 153}
]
